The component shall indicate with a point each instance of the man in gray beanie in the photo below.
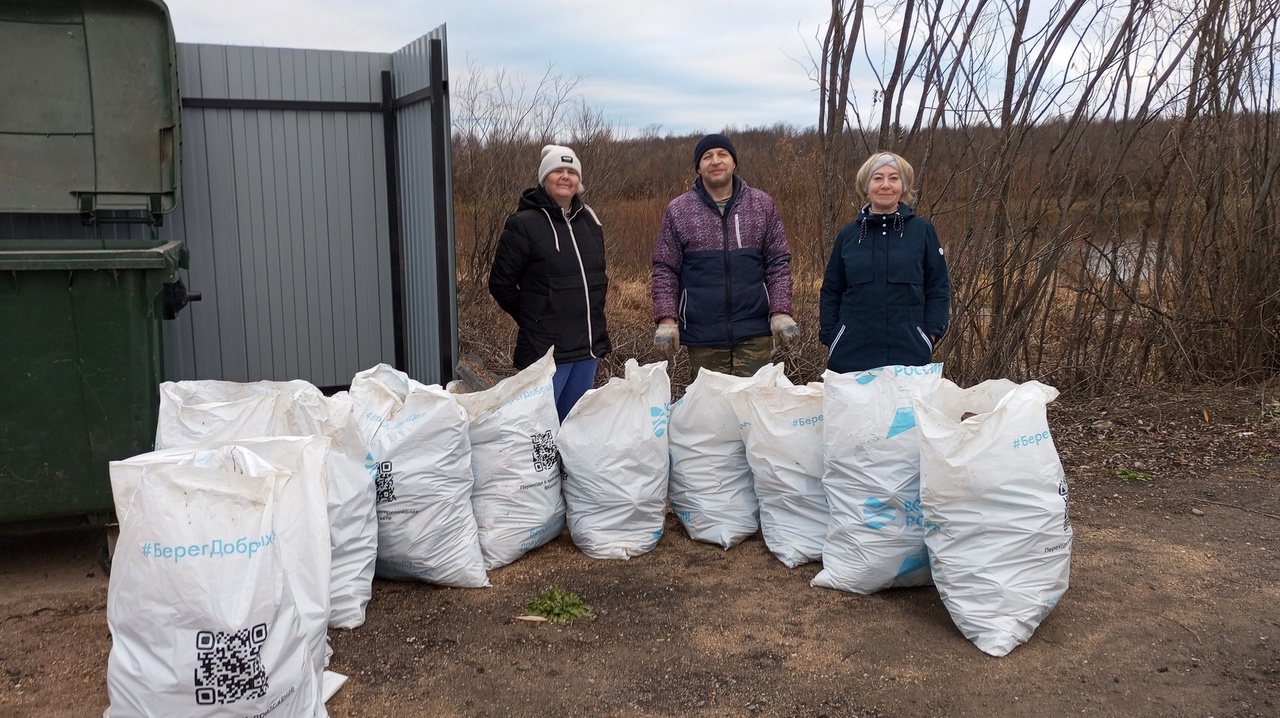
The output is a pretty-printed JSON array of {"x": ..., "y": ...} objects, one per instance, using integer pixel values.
[{"x": 722, "y": 269}]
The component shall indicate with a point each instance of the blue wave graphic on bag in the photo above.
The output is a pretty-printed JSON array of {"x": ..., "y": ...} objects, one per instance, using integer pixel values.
[{"x": 876, "y": 514}]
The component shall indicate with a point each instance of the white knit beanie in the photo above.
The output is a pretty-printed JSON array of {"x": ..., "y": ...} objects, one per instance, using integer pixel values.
[{"x": 556, "y": 156}]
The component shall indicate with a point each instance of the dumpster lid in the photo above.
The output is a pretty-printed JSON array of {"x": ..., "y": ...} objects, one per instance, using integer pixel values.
[
  {"x": 27, "y": 255},
  {"x": 90, "y": 116}
]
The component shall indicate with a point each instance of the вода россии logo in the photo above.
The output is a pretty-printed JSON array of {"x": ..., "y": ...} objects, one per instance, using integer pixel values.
[{"x": 876, "y": 514}]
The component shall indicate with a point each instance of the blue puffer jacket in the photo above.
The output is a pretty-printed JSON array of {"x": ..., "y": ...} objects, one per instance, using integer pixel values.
[{"x": 886, "y": 294}]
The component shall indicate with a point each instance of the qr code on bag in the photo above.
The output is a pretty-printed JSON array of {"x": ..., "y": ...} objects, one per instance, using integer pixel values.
[
  {"x": 545, "y": 456},
  {"x": 229, "y": 666},
  {"x": 384, "y": 484}
]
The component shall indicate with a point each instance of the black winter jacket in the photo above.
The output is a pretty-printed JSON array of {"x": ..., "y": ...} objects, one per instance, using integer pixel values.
[
  {"x": 549, "y": 275},
  {"x": 886, "y": 294}
]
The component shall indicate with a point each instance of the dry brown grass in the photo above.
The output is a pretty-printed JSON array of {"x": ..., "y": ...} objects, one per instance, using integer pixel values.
[{"x": 1029, "y": 240}]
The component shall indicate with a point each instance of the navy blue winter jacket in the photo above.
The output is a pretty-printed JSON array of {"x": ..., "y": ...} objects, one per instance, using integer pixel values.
[{"x": 886, "y": 294}]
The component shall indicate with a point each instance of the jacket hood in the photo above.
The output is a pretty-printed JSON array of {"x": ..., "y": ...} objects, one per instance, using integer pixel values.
[
  {"x": 903, "y": 209},
  {"x": 537, "y": 198}
]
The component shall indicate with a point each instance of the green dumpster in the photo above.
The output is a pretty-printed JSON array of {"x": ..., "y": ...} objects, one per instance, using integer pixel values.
[
  {"x": 80, "y": 364},
  {"x": 89, "y": 128}
]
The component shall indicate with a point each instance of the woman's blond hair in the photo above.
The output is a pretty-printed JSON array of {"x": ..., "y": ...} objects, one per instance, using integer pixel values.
[{"x": 904, "y": 168}]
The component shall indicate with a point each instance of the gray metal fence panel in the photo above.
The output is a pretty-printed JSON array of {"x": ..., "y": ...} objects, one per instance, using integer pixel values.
[
  {"x": 284, "y": 213},
  {"x": 430, "y": 290}
]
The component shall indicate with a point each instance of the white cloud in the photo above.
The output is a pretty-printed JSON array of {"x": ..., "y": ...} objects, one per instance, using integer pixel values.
[{"x": 684, "y": 64}]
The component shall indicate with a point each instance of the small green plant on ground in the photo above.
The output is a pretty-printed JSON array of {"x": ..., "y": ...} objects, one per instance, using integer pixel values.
[
  {"x": 557, "y": 605},
  {"x": 1130, "y": 475}
]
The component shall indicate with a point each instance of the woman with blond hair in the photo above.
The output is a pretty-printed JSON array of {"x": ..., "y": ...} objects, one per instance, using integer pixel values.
[{"x": 886, "y": 294}]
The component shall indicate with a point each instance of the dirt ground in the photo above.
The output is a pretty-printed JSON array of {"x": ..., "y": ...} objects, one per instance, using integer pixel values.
[{"x": 1172, "y": 611}]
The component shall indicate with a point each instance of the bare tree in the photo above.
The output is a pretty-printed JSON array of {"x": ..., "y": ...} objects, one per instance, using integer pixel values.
[
  {"x": 839, "y": 47},
  {"x": 1103, "y": 173},
  {"x": 500, "y": 124}
]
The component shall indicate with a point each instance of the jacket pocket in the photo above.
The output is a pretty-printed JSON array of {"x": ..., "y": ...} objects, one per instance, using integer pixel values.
[
  {"x": 831, "y": 350},
  {"x": 858, "y": 270},
  {"x": 904, "y": 263},
  {"x": 533, "y": 307},
  {"x": 567, "y": 315},
  {"x": 925, "y": 338}
]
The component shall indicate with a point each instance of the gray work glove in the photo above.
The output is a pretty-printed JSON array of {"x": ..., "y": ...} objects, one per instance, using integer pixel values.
[
  {"x": 667, "y": 339},
  {"x": 784, "y": 329}
]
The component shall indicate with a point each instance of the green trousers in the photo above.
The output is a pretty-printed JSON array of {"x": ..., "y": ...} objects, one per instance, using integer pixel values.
[{"x": 742, "y": 359}]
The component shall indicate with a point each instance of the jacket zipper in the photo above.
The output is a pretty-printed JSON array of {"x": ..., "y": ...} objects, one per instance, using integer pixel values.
[{"x": 728, "y": 278}]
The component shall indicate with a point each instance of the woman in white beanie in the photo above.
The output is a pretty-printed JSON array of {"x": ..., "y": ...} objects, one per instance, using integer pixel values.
[
  {"x": 886, "y": 294},
  {"x": 549, "y": 275}
]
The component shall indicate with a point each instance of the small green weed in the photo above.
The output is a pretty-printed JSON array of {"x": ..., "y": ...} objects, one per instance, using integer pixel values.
[
  {"x": 558, "y": 606},
  {"x": 1130, "y": 475}
]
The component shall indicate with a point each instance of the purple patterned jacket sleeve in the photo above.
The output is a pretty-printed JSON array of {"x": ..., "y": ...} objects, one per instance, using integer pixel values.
[
  {"x": 667, "y": 260},
  {"x": 777, "y": 263}
]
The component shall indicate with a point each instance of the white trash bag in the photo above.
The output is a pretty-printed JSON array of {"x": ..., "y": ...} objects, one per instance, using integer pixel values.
[
  {"x": 614, "y": 447},
  {"x": 200, "y": 412},
  {"x": 871, "y": 452},
  {"x": 419, "y": 458},
  {"x": 221, "y": 550},
  {"x": 353, "y": 516},
  {"x": 995, "y": 507},
  {"x": 782, "y": 432},
  {"x": 712, "y": 491},
  {"x": 518, "y": 501}
]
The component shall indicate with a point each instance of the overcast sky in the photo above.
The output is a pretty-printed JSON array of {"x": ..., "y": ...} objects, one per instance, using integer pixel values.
[{"x": 687, "y": 65}]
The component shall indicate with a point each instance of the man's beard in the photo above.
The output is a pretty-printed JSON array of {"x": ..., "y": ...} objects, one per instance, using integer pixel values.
[{"x": 718, "y": 184}]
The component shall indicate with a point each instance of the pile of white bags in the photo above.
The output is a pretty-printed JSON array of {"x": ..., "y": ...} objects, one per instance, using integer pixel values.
[
  {"x": 419, "y": 457},
  {"x": 517, "y": 497},
  {"x": 200, "y": 412},
  {"x": 872, "y": 478},
  {"x": 711, "y": 489},
  {"x": 614, "y": 447},
  {"x": 218, "y": 599},
  {"x": 782, "y": 434},
  {"x": 994, "y": 497}
]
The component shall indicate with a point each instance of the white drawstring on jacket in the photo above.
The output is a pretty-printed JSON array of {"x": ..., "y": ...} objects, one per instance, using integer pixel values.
[{"x": 553, "y": 227}]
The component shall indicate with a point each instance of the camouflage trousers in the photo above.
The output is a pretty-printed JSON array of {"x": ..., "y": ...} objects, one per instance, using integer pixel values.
[{"x": 741, "y": 359}]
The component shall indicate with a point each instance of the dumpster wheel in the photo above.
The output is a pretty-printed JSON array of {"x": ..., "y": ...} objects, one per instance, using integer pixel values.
[{"x": 107, "y": 548}]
